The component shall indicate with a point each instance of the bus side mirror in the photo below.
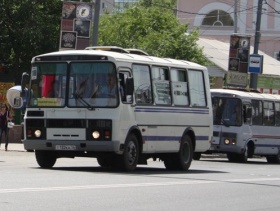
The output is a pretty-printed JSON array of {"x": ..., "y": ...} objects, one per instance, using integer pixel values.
[
  {"x": 14, "y": 98},
  {"x": 24, "y": 81},
  {"x": 129, "y": 86}
]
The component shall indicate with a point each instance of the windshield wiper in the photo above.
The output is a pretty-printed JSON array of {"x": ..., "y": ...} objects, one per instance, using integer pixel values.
[{"x": 77, "y": 96}]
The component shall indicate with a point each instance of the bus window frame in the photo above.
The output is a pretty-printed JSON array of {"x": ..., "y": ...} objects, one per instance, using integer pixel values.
[{"x": 150, "y": 83}]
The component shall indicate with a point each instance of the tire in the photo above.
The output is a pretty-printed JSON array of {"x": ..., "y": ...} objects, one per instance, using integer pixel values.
[
  {"x": 185, "y": 153},
  {"x": 232, "y": 157},
  {"x": 105, "y": 161},
  {"x": 183, "y": 159},
  {"x": 273, "y": 159},
  {"x": 45, "y": 159},
  {"x": 242, "y": 158},
  {"x": 196, "y": 155},
  {"x": 170, "y": 162},
  {"x": 129, "y": 159},
  {"x": 238, "y": 158}
]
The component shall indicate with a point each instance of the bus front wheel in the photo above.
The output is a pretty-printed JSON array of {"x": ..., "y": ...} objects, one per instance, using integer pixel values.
[
  {"x": 105, "y": 161},
  {"x": 129, "y": 159},
  {"x": 273, "y": 158},
  {"x": 45, "y": 159}
]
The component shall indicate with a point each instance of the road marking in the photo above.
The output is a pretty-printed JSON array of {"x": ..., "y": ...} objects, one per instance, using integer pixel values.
[{"x": 110, "y": 186}]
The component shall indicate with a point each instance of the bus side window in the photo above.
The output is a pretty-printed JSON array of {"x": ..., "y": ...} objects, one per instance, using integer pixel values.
[
  {"x": 126, "y": 90},
  {"x": 268, "y": 113},
  {"x": 277, "y": 114},
  {"x": 257, "y": 117},
  {"x": 122, "y": 87},
  {"x": 142, "y": 84},
  {"x": 179, "y": 87},
  {"x": 247, "y": 113},
  {"x": 197, "y": 88},
  {"x": 161, "y": 85}
]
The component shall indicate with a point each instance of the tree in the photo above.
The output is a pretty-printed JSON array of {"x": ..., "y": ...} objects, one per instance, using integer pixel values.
[
  {"x": 28, "y": 28},
  {"x": 150, "y": 26}
]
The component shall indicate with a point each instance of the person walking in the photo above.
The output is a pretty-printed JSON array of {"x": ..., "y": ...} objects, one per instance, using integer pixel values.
[{"x": 5, "y": 116}]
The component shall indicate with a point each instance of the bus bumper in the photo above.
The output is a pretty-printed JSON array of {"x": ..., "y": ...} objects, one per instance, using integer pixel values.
[
  {"x": 59, "y": 145},
  {"x": 225, "y": 149}
]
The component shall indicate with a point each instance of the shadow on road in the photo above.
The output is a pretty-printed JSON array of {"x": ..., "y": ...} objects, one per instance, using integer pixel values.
[{"x": 137, "y": 171}]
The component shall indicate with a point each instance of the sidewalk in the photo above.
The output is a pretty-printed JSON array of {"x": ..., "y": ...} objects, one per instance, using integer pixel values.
[{"x": 13, "y": 147}]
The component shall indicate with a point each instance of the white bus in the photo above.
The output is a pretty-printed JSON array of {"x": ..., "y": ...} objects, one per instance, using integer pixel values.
[
  {"x": 120, "y": 108},
  {"x": 246, "y": 124}
]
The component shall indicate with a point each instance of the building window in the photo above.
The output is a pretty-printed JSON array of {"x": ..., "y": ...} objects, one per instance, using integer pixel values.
[
  {"x": 217, "y": 18},
  {"x": 122, "y": 4}
]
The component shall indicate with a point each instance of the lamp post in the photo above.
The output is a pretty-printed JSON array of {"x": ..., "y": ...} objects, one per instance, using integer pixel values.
[
  {"x": 96, "y": 23},
  {"x": 254, "y": 76}
]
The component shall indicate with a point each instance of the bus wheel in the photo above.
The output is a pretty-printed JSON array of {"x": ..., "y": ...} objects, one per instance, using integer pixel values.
[
  {"x": 106, "y": 161},
  {"x": 243, "y": 157},
  {"x": 183, "y": 159},
  {"x": 170, "y": 162},
  {"x": 45, "y": 159},
  {"x": 128, "y": 161},
  {"x": 232, "y": 157},
  {"x": 103, "y": 162},
  {"x": 273, "y": 158},
  {"x": 196, "y": 156},
  {"x": 185, "y": 154}
]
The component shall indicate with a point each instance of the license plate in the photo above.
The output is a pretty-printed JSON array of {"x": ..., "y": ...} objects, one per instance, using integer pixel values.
[{"x": 65, "y": 147}]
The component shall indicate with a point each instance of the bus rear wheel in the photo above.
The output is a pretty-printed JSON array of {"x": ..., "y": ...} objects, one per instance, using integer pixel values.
[
  {"x": 129, "y": 159},
  {"x": 185, "y": 154},
  {"x": 45, "y": 159},
  {"x": 181, "y": 160}
]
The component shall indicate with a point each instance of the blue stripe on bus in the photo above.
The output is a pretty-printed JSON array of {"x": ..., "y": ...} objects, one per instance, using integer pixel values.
[
  {"x": 172, "y": 138},
  {"x": 173, "y": 110},
  {"x": 266, "y": 136},
  {"x": 267, "y": 145}
]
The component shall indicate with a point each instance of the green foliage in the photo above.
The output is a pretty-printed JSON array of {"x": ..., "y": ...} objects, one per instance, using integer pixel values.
[
  {"x": 31, "y": 27},
  {"x": 151, "y": 26},
  {"x": 28, "y": 28}
]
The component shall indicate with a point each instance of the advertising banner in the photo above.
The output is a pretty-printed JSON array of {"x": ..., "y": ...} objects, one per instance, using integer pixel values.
[
  {"x": 238, "y": 59},
  {"x": 75, "y": 25}
]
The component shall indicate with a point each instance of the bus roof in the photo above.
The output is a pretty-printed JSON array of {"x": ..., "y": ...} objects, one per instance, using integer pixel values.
[
  {"x": 244, "y": 94},
  {"x": 122, "y": 57}
]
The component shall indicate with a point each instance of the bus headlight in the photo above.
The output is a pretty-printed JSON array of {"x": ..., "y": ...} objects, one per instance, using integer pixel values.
[
  {"x": 95, "y": 134},
  {"x": 227, "y": 141},
  {"x": 37, "y": 133}
]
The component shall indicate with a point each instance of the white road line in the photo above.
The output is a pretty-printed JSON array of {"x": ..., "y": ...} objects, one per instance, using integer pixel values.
[{"x": 110, "y": 186}]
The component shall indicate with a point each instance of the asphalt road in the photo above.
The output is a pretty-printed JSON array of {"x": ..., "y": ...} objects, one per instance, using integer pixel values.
[{"x": 80, "y": 184}]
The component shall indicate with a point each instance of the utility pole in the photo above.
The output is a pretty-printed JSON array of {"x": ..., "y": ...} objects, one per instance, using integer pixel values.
[
  {"x": 96, "y": 23},
  {"x": 235, "y": 16},
  {"x": 254, "y": 76}
]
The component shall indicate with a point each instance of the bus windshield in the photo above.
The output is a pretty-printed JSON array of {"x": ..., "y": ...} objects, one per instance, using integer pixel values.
[
  {"x": 48, "y": 85},
  {"x": 88, "y": 84},
  {"x": 92, "y": 84},
  {"x": 227, "y": 111}
]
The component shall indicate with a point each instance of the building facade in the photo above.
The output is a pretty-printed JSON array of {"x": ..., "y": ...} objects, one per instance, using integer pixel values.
[
  {"x": 109, "y": 6},
  {"x": 217, "y": 19}
]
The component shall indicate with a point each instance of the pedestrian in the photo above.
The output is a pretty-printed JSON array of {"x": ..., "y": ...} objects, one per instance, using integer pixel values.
[{"x": 5, "y": 116}]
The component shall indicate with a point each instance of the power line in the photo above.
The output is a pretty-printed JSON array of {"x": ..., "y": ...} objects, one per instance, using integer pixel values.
[{"x": 271, "y": 7}]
